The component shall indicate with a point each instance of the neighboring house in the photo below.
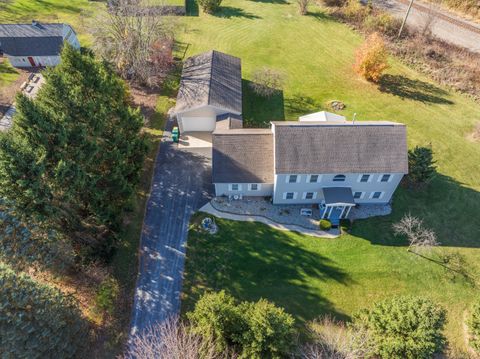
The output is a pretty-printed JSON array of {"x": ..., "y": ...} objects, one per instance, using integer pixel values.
[
  {"x": 210, "y": 86},
  {"x": 35, "y": 44},
  {"x": 320, "y": 159}
]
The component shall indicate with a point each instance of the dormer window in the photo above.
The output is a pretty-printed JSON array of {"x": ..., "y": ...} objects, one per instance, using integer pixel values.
[{"x": 339, "y": 178}]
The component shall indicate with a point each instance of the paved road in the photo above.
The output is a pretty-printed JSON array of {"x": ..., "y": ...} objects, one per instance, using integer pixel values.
[
  {"x": 181, "y": 185},
  {"x": 445, "y": 25}
]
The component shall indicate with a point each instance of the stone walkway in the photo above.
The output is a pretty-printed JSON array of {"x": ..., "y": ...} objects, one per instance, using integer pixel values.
[{"x": 208, "y": 208}]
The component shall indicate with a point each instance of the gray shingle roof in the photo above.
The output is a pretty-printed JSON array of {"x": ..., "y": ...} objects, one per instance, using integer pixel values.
[
  {"x": 212, "y": 78},
  {"x": 332, "y": 147},
  {"x": 242, "y": 156},
  {"x": 31, "y": 40}
]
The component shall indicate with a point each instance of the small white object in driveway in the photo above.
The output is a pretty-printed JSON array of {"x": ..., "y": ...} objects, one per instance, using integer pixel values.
[{"x": 306, "y": 212}]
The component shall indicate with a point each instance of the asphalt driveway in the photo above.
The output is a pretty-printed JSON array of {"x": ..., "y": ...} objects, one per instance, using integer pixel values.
[{"x": 181, "y": 185}]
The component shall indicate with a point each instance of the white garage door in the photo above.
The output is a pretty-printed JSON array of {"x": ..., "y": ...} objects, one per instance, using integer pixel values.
[{"x": 198, "y": 124}]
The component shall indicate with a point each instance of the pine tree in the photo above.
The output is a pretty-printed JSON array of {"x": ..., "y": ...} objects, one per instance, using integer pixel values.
[
  {"x": 421, "y": 166},
  {"x": 74, "y": 154}
]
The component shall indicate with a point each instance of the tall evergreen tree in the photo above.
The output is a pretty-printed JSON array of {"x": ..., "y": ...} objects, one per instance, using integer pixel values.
[
  {"x": 421, "y": 165},
  {"x": 74, "y": 153}
]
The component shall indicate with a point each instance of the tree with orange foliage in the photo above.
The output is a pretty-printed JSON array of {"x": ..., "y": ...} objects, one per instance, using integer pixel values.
[{"x": 371, "y": 58}]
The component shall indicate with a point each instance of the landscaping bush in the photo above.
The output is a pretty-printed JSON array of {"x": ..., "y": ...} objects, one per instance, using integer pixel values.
[
  {"x": 355, "y": 12},
  {"x": 383, "y": 23},
  {"x": 325, "y": 225},
  {"x": 216, "y": 317},
  {"x": 421, "y": 166},
  {"x": 268, "y": 330},
  {"x": 474, "y": 326},
  {"x": 404, "y": 327},
  {"x": 209, "y": 6},
  {"x": 371, "y": 58},
  {"x": 38, "y": 321},
  {"x": 334, "y": 3},
  {"x": 257, "y": 330},
  {"x": 345, "y": 224}
]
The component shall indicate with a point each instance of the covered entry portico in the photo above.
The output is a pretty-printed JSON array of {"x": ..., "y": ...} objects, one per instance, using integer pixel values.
[{"x": 338, "y": 203}]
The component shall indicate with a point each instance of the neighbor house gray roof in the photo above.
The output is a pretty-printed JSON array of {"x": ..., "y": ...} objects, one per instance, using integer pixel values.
[
  {"x": 34, "y": 39},
  {"x": 228, "y": 121},
  {"x": 334, "y": 195},
  {"x": 212, "y": 78},
  {"x": 242, "y": 156},
  {"x": 333, "y": 147}
]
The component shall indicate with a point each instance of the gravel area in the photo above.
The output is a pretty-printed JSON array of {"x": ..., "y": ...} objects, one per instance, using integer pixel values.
[
  {"x": 369, "y": 210},
  {"x": 284, "y": 214}
]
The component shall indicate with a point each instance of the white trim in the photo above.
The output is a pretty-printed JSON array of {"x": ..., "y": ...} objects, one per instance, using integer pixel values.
[
  {"x": 370, "y": 177},
  {"x": 304, "y": 196},
  {"x": 381, "y": 195},
  {"x": 259, "y": 187},
  {"x": 224, "y": 110},
  {"x": 319, "y": 178},
  {"x": 383, "y": 174},
  {"x": 230, "y": 187}
]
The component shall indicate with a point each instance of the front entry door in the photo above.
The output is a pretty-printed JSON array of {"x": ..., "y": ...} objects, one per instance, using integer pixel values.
[{"x": 32, "y": 62}]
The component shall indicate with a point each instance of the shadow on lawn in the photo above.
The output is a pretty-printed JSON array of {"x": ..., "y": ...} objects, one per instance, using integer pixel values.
[
  {"x": 258, "y": 110},
  {"x": 299, "y": 104},
  {"x": 271, "y": 1},
  {"x": 252, "y": 262},
  {"x": 446, "y": 206},
  {"x": 413, "y": 89},
  {"x": 191, "y": 8},
  {"x": 230, "y": 11}
]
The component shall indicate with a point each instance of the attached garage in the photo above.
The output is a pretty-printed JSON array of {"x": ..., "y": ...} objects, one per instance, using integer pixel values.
[{"x": 211, "y": 86}]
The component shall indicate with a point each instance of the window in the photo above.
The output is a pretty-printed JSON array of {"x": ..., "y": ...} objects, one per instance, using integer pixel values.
[
  {"x": 289, "y": 195},
  {"x": 254, "y": 187},
  {"x": 385, "y": 178},
  {"x": 358, "y": 195},
  {"x": 235, "y": 187},
  {"x": 292, "y": 179},
  {"x": 377, "y": 195},
  {"x": 364, "y": 178},
  {"x": 309, "y": 195},
  {"x": 339, "y": 178},
  {"x": 313, "y": 178}
]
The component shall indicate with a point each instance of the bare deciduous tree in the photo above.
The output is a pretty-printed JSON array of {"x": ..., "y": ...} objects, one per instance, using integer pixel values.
[
  {"x": 333, "y": 340},
  {"x": 138, "y": 43},
  {"x": 303, "y": 6},
  {"x": 172, "y": 340},
  {"x": 418, "y": 236},
  {"x": 266, "y": 81}
]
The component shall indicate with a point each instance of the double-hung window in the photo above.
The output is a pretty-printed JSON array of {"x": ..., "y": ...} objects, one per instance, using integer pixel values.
[
  {"x": 235, "y": 187},
  {"x": 313, "y": 178},
  {"x": 254, "y": 187},
  {"x": 365, "y": 178},
  {"x": 292, "y": 178},
  {"x": 377, "y": 195},
  {"x": 385, "y": 178},
  {"x": 309, "y": 195},
  {"x": 289, "y": 195},
  {"x": 358, "y": 195}
]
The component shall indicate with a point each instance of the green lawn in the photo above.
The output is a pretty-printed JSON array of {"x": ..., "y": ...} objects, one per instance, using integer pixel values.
[
  {"x": 310, "y": 276},
  {"x": 8, "y": 74}
]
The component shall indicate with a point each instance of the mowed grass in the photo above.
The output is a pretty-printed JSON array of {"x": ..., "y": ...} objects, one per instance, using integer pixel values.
[{"x": 312, "y": 276}]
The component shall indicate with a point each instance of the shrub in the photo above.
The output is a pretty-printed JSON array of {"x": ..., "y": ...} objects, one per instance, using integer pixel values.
[
  {"x": 383, "y": 23},
  {"x": 209, "y": 6},
  {"x": 106, "y": 295},
  {"x": 403, "y": 327},
  {"x": 334, "y": 3},
  {"x": 257, "y": 330},
  {"x": 355, "y": 12},
  {"x": 268, "y": 330},
  {"x": 474, "y": 326},
  {"x": 266, "y": 81},
  {"x": 38, "y": 321},
  {"x": 345, "y": 224},
  {"x": 421, "y": 166},
  {"x": 216, "y": 317},
  {"x": 371, "y": 58},
  {"x": 325, "y": 225}
]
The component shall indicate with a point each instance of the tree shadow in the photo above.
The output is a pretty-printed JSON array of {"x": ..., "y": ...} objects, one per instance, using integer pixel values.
[
  {"x": 445, "y": 205},
  {"x": 271, "y": 1},
  {"x": 228, "y": 12},
  {"x": 253, "y": 261},
  {"x": 258, "y": 110},
  {"x": 191, "y": 8},
  {"x": 299, "y": 104},
  {"x": 417, "y": 90}
]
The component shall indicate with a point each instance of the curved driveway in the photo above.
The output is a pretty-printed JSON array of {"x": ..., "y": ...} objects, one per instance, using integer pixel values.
[{"x": 181, "y": 185}]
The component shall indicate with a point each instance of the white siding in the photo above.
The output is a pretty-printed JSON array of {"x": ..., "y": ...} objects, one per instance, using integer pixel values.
[
  {"x": 22, "y": 61},
  {"x": 224, "y": 189}
]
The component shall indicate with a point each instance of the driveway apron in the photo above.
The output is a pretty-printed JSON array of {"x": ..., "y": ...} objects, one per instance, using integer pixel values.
[{"x": 181, "y": 185}]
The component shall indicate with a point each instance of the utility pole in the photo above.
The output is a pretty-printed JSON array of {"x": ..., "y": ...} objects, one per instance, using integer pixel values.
[{"x": 405, "y": 19}]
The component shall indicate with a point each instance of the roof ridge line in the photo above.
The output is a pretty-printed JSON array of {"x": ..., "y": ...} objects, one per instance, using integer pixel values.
[{"x": 210, "y": 79}]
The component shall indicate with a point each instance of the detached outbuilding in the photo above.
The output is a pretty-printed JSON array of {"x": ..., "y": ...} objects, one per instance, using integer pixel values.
[
  {"x": 210, "y": 89},
  {"x": 35, "y": 44}
]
